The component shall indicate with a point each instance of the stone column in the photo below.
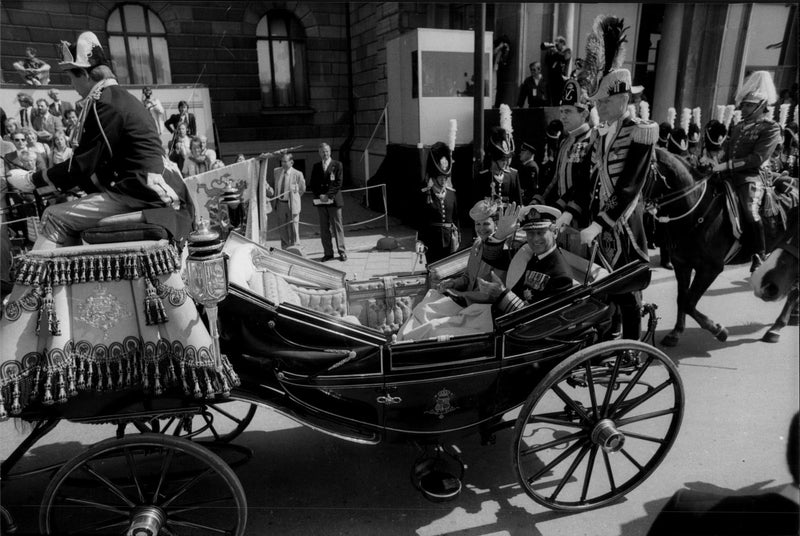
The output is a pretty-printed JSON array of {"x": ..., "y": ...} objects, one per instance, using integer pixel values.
[{"x": 669, "y": 51}]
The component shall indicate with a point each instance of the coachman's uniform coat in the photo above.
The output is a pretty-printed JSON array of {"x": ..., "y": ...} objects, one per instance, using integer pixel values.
[
  {"x": 620, "y": 163},
  {"x": 572, "y": 169}
]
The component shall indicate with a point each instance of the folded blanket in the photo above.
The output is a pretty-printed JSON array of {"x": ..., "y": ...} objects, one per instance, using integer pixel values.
[{"x": 438, "y": 315}]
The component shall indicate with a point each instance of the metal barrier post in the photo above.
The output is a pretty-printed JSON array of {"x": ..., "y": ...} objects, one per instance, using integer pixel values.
[
  {"x": 366, "y": 173},
  {"x": 385, "y": 208}
]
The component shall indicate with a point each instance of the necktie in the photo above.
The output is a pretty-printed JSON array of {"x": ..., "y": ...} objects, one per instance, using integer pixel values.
[{"x": 24, "y": 113}]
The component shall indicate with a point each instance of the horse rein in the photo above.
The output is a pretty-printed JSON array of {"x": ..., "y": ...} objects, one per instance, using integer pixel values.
[{"x": 675, "y": 196}]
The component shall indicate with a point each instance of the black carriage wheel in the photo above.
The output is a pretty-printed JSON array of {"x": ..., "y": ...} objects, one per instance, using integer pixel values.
[
  {"x": 145, "y": 484},
  {"x": 214, "y": 423},
  {"x": 579, "y": 444}
]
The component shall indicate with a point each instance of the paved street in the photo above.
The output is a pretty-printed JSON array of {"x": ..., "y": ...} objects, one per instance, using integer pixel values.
[{"x": 740, "y": 396}]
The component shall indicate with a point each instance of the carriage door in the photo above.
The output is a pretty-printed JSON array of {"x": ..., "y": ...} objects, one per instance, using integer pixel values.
[{"x": 437, "y": 386}]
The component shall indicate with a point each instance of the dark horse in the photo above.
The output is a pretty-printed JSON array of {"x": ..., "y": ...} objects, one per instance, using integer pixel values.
[
  {"x": 700, "y": 234},
  {"x": 779, "y": 277}
]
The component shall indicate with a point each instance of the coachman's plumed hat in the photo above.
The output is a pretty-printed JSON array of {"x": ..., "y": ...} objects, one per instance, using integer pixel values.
[
  {"x": 86, "y": 53},
  {"x": 440, "y": 160},
  {"x": 602, "y": 72}
]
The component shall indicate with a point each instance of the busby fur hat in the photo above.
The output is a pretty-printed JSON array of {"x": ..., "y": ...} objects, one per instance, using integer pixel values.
[
  {"x": 554, "y": 129},
  {"x": 678, "y": 141},
  {"x": 602, "y": 72},
  {"x": 664, "y": 130},
  {"x": 440, "y": 160},
  {"x": 715, "y": 135},
  {"x": 86, "y": 53}
]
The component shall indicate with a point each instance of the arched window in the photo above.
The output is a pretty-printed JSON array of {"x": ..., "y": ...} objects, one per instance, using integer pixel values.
[
  {"x": 138, "y": 45},
  {"x": 281, "y": 43}
]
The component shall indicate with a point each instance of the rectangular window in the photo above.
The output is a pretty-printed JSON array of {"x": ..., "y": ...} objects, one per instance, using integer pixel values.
[
  {"x": 116, "y": 45},
  {"x": 140, "y": 59}
]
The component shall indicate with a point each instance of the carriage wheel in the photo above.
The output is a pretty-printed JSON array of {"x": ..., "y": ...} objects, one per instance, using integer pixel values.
[
  {"x": 597, "y": 425},
  {"x": 214, "y": 423},
  {"x": 144, "y": 484}
]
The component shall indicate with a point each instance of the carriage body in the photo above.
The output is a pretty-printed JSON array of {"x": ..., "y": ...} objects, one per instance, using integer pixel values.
[{"x": 359, "y": 383}]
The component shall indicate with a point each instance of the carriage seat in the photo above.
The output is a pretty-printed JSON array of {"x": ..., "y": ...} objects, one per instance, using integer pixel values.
[{"x": 126, "y": 227}]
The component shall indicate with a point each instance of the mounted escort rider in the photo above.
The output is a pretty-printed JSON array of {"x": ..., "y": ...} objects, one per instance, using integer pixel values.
[
  {"x": 117, "y": 159},
  {"x": 746, "y": 155},
  {"x": 620, "y": 155}
]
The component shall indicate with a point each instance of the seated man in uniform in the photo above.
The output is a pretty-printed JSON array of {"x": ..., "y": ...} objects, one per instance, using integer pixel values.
[{"x": 538, "y": 270}]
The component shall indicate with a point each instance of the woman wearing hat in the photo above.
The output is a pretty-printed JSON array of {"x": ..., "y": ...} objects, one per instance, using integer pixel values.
[
  {"x": 489, "y": 252},
  {"x": 750, "y": 144},
  {"x": 438, "y": 228},
  {"x": 118, "y": 159}
]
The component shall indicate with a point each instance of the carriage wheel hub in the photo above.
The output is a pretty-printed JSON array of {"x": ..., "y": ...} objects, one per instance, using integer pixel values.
[
  {"x": 146, "y": 521},
  {"x": 606, "y": 434}
]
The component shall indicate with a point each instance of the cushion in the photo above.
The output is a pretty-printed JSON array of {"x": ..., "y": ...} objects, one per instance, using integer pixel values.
[{"x": 124, "y": 232}]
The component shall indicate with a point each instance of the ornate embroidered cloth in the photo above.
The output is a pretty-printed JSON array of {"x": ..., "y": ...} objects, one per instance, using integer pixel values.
[{"x": 103, "y": 317}]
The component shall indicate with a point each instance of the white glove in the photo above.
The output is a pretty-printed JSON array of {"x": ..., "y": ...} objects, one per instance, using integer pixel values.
[
  {"x": 21, "y": 180},
  {"x": 590, "y": 233},
  {"x": 564, "y": 219},
  {"x": 156, "y": 182}
]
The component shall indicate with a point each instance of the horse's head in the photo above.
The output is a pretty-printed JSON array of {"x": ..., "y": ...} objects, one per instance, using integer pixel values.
[
  {"x": 670, "y": 181},
  {"x": 773, "y": 279}
]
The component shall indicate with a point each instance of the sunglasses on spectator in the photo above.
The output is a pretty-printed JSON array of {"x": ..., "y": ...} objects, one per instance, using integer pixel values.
[{"x": 18, "y": 139}]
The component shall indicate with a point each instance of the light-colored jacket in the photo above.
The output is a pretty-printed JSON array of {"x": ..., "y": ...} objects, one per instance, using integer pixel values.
[{"x": 296, "y": 187}]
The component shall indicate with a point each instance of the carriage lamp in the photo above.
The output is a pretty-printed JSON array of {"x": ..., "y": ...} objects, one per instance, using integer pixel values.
[
  {"x": 231, "y": 210},
  {"x": 207, "y": 275}
]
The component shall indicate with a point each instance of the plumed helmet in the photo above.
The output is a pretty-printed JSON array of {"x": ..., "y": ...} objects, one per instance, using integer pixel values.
[
  {"x": 757, "y": 88},
  {"x": 663, "y": 132},
  {"x": 500, "y": 144},
  {"x": 554, "y": 129},
  {"x": 694, "y": 134},
  {"x": 86, "y": 53},
  {"x": 678, "y": 141},
  {"x": 715, "y": 135},
  {"x": 440, "y": 160}
]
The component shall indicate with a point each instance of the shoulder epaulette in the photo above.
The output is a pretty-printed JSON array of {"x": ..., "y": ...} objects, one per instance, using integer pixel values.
[
  {"x": 645, "y": 132},
  {"x": 448, "y": 187}
]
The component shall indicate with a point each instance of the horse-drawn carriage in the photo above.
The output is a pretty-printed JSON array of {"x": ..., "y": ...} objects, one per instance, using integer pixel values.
[{"x": 113, "y": 333}]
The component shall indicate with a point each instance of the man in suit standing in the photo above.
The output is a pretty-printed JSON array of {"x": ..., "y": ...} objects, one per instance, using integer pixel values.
[
  {"x": 289, "y": 186},
  {"x": 326, "y": 184},
  {"x": 183, "y": 116},
  {"x": 44, "y": 123},
  {"x": 58, "y": 107},
  {"x": 533, "y": 88}
]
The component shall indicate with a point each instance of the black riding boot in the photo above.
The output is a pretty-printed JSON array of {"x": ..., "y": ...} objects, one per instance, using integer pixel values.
[{"x": 759, "y": 244}]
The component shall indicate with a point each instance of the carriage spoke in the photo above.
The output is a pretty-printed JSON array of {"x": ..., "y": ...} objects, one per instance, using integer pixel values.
[
  {"x": 571, "y": 403},
  {"x": 561, "y": 457},
  {"x": 590, "y": 385},
  {"x": 643, "y": 398},
  {"x": 633, "y": 382},
  {"x": 196, "y": 505},
  {"x": 609, "y": 387},
  {"x": 132, "y": 470},
  {"x": 630, "y": 458},
  {"x": 183, "y": 489},
  {"x": 210, "y": 425},
  {"x": 646, "y": 416},
  {"x": 99, "y": 506},
  {"x": 609, "y": 472},
  {"x": 570, "y": 471},
  {"x": 231, "y": 416},
  {"x": 643, "y": 437},
  {"x": 549, "y": 420},
  {"x": 165, "y": 463},
  {"x": 588, "y": 474},
  {"x": 551, "y": 444},
  {"x": 100, "y": 525},
  {"x": 112, "y": 488},
  {"x": 189, "y": 524}
]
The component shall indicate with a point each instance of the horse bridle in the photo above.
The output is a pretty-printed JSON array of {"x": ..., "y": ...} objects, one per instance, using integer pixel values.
[{"x": 653, "y": 205}]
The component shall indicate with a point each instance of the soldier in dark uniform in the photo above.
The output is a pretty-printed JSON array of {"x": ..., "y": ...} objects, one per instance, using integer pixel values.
[
  {"x": 714, "y": 135},
  {"x": 747, "y": 152},
  {"x": 438, "y": 217},
  {"x": 118, "y": 159},
  {"x": 529, "y": 179},
  {"x": 537, "y": 271},
  {"x": 500, "y": 183},
  {"x": 621, "y": 156},
  {"x": 572, "y": 162}
]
